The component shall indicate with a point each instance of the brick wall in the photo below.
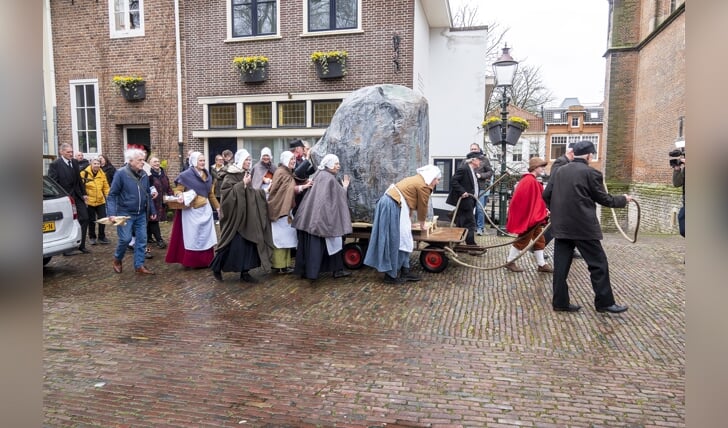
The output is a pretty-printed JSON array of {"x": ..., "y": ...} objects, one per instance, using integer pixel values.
[
  {"x": 209, "y": 70},
  {"x": 82, "y": 49},
  {"x": 645, "y": 96}
]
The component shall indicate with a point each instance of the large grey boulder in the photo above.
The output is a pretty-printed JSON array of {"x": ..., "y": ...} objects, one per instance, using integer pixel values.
[{"x": 381, "y": 135}]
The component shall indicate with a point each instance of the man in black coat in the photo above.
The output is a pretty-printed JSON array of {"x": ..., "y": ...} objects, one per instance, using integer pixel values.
[
  {"x": 66, "y": 172},
  {"x": 464, "y": 187},
  {"x": 562, "y": 160},
  {"x": 572, "y": 199}
]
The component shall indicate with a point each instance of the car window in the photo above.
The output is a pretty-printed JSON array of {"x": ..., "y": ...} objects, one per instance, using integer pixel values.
[{"x": 51, "y": 189}]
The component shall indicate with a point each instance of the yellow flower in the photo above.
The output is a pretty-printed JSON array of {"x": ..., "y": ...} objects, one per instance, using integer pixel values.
[
  {"x": 127, "y": 81},
  {"x": 519, "y": 120},
  {"x": 247, "y": 64},
  {"x": 323, "y": 58}
]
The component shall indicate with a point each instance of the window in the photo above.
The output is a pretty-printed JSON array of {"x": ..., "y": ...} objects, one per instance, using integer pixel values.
[
  {"x": 254, "y": 18},
  {"x": 559, "y": 142},
  {"x": 138, "y": 137},
  {"x": 222, "y": 116},
  {"x": 258, "y": 115},
  {"x": 323, "y": 112},
  {"x": 594, "y": 115},
  {"x": 517, "y": 155},
  {"x": 85, "y": 116},
  {"x": 557, "y": 116},
  {"x": 292, "y": 114},
  {"x": 574, "y": 121},
  {"x": 446, "y": 167},
  {"x": 126, "y": 18},
  {"x": 330, "y": 15}
]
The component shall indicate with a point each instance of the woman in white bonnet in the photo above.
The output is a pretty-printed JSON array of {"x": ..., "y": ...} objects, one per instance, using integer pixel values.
[
  {"x": 193, "y": 236},
  {"x": 245, "y": 234},
  {"x": 322, "y": 220},
  {"x": 391, "y": 241},
  {"x": 281, "y": 201}
]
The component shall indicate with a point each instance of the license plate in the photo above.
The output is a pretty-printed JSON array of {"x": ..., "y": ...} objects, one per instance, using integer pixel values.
[{"x": 49, "y": 226}]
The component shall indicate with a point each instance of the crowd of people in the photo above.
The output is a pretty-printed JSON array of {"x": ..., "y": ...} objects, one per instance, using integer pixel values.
[{"x": 292, "y": 217}]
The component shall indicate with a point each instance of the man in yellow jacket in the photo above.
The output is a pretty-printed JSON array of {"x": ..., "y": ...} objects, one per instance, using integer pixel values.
[{"x": 97, "y": 188}]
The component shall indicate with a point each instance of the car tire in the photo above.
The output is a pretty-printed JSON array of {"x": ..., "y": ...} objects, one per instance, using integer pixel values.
[{"x": 46, "y": 260}]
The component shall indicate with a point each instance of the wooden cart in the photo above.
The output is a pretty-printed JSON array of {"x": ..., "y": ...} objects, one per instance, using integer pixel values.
[{"x": 431, "y": 243}]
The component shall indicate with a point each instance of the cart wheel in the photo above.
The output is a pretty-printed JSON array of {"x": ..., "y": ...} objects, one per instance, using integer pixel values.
[
  {"x": 353, "y": 255},
  {"x": 433, "y": 261}
]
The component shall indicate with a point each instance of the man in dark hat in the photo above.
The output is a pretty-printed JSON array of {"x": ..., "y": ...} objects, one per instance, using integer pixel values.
[
  {"x": 572, "y": 199},
  {"x": 464, "y": 187},
  {"x": 562, "y": 160},
  {"x": 296, "y": 147}
]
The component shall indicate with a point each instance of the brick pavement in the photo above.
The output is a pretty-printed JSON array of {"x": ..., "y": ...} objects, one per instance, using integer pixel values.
[{"x": 465, "y": 347}]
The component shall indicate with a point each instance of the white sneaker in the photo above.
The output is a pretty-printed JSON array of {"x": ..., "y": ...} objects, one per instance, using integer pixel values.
[{"x": 480, "y": 232}]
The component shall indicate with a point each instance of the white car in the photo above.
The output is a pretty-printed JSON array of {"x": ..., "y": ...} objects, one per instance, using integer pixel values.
[{"x": 61, "y": 230}]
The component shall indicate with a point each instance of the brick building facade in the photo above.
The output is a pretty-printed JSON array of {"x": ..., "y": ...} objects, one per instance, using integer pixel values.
[
  {"x": 645, "y": 104},
  {"x": 88, "y": 53},
  {"x": 195, "y": 98}
]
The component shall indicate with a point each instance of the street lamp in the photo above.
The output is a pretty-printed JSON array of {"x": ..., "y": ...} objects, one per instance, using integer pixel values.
[{"x": 505, "y": 70}]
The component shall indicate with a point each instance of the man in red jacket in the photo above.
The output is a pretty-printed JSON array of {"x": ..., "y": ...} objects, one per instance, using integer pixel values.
[{"x": 527, "y": 215}]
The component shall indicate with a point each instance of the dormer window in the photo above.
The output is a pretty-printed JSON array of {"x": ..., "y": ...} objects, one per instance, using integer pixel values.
[{"x": 575, "y": 121}]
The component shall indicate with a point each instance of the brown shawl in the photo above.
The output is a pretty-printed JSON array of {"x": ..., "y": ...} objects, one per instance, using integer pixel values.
[
  {"x": 324, "y": 210},
  {"x": 281, "y": 194},
  {"x": 245, "y": 211}
]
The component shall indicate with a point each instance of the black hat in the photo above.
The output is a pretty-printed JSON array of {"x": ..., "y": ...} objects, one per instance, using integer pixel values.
[
  {"x": 584, "y": 147},
  {"x": 295, "y": 143},
  {"x": 472, "y": 155}
]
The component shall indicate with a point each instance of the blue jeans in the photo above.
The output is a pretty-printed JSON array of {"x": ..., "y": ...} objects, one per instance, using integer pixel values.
[
  {"x": 138, "y": 224},
  {"x": 479, "y": 215}
]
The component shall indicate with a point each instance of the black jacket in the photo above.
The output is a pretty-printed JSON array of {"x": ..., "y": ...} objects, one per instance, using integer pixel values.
[
  {"x": 68, "y": 178},
  {"x": 461, "y": 182},
  {"x": 572, "y": 199}
]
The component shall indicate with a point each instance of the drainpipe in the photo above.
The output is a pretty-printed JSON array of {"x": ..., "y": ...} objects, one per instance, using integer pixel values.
[{"x": 180, "y": 138}]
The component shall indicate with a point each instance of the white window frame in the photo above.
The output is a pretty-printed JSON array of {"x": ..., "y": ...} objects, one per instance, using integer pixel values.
[
  {"x": 574, "y": 138},
  {"x": 229, "y": 19},
  {"x": 358, "y": 28},
  {"x": 74, "y": 120},
  {"x": 125, "y": 134},
  {"x": 557, "y": 116},
  {"x": 116, "y": 34}
]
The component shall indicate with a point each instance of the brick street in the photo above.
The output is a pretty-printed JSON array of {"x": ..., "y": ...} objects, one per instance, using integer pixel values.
[{"x": 462, "y": 348}]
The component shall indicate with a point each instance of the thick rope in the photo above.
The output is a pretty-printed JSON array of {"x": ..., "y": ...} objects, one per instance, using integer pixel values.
[
  {"x": 452, "y": 254},
  {"x": 616, "y": 222}
]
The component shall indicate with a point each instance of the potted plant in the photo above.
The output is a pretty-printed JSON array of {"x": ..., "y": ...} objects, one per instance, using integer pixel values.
[
  {"x": 331, "y": 64},
  {"x": 132, "y": 88},
  {"x": 492, "y": 126},
  {"x": 516, "y": 126},
  {"x": 253, "y": 69}
]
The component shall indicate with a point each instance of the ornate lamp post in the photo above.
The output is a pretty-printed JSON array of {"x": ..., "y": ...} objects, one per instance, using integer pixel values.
[{"x": 505, "y": 70}]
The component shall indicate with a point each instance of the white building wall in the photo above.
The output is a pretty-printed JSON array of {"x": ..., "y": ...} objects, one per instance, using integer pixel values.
[
  {"x": 456, "y": 93},
  {"x": 421, "y": 54}
]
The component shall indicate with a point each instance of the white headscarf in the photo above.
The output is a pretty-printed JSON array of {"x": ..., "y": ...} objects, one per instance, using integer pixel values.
[
  {"x": 328, "y": 161},
  {"x": 286, "y": 157},
  {"x": 194, "y": 156},
  {"x": 266, "y": 151},
  {"x": 429, "y": 173},
  {"x": 240, "y": 157}
]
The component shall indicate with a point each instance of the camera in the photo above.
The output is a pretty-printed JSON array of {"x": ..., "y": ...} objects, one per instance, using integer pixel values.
[{"x": 676, "y": 157}]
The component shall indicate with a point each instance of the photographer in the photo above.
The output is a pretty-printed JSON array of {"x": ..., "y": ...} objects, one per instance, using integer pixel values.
[{"x": 678, "y": 180}]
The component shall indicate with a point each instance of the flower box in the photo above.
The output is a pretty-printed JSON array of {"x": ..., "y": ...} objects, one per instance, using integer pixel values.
[
  {"x": 513, "y": 132},
  {"x": 253, "y": 69},
  {"x": 254, "y": 76},
  {"x": 330, "y": 65},
  {"x": 131, "y": 88},
  {"x": 493, "y": 128}
]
